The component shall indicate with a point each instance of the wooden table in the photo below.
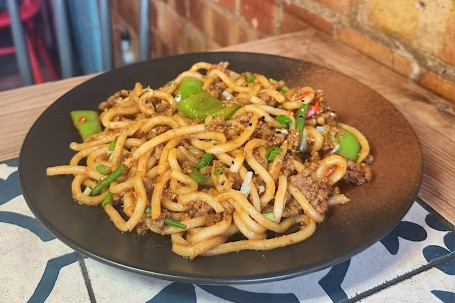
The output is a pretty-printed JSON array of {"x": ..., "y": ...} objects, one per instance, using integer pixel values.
[{"x": 432, "y": 117}]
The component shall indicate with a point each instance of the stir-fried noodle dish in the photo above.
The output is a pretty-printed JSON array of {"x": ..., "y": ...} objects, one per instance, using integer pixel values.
[{"x": 218, "y": 160}]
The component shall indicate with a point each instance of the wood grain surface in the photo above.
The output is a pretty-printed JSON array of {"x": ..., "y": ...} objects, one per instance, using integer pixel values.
[{"x": 432, "y": 117}]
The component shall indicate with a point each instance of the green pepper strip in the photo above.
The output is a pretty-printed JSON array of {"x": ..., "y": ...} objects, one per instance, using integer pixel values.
[
  {"x": 300, "y": 121},
  {"x": 112, "y": 145},
  {"x": 269, "y": 216},
  {"x": 103, "y": 169},
  {"x": 86, "y": 122},
  {"x": 172, "y": 222},
  {"x": 107, "y": 199},
  {"x": 205, "y": 160},
  {"x": 108, "y": 180},
  {"x": 283, "y": 120},
  {"x": 272, "y": 152},
  {"x": 196, "y": 175}
]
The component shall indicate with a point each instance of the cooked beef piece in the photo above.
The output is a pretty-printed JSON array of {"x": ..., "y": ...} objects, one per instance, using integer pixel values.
[
  {"x": 218, "y": 125},
  {"x": 293, "y": 139},
  {"x": 358, "y": 173},
  {"x": 317, "y": 191}
]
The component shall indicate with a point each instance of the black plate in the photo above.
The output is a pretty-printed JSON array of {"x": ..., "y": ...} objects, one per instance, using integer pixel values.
[{"x": 375, "y": 208}]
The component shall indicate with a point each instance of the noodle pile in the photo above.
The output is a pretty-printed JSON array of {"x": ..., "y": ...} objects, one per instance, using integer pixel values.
[{"x": 267, "y": 185}]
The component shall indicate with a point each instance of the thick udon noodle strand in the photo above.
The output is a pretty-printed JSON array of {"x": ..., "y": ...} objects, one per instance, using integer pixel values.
[{"x": 201, "y": 181}]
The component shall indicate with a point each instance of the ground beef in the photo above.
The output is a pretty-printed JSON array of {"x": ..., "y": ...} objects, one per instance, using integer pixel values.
[
  {"x": 148, "y": 223},
  {"x": 268, "y": 99},
  {"x": 235, "y": 179},
  {"x": 259, "y": 184},
  {"x": 288, "y": 166},
  {"x": 267, "y": 132},
  {"x": 216, "y": 88},
  {"x": 157, "y": 151},
  {"x": 149, "y": 185},
  {"x": 245, "y": 117},
  {"x": 114, "y": 99},
  {"x": 218, "y": 124},
  {"x": 157, "y": 130},
  {"x": 358, "y": 173},
  {"x": 163, "y": 108},
  {"x": 199, "y": 209},
  {"x": 316, "y": 191},
  {"x": 292, "y": 208},
  {"x": 293, "y": 139}
]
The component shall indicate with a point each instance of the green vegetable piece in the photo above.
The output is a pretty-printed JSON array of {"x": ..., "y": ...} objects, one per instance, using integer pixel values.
[
  {"x": 283, "y": 120},
  {"x": 197, "y": 176},
  {"x": 272, "y": 152},
  {"x": 205, "y": 160},
  {"x": 284, "y": 89},
  {"x": 103, "y": 169},
  {"x": 112, "y": 145},
  {"x": 219, "y": 170},
  {"x": 107, "y": 199},
  {"x": 148, "y": 210},
  {"x": 300, "y": 120},
  {"x": 227, "y": 112},
  {"x": 250, "y": 78},
  {"x": 349, "y": 146},
  {"x": 269, "y": 216},
  {"x": 172, "y": 222},
  {"x": 108, "y": 180},
  {"x": 200, "y": 105},
  {"x": 87, "y": 122},
  {"x": 189, "y": 87}
]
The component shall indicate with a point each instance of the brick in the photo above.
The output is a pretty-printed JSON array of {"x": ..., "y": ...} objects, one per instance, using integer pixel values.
[
  {"x": 375, "y": 50},
  {"x": 296, "y": 18},
  {"x": 260, "y": 14},
  {"x": 227, "y": 4},
  {"x": 129, "y": 11},
  {"x": 421, "y": 24},
  {"x": 438, "y": 84},
  {"x": 199, "y": 14},
  {"x": 179, "y": 6},
  {"x": 227, "y": 30},
  {"x": 343, "y": 7},
  {"x": 168, "y": 22}
]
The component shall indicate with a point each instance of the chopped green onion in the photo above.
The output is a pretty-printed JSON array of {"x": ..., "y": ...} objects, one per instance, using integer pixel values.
[
  {"x": 107, "y": 199},
  {"x": 172, "y": 222},
  {"x": 300, "y": 122},
  {"x": 283, "y": 120},
  {"x": 284, "y": 89},
  {"x": 196, "y": 175},
  {"x": 112, "y": 145},
  {"x": 250, "y": 78},
  {"x": 108, "y": 180},
  {"x": 219, "y": 170},
  {"x": 269, "y": 216},
  {"x": 205, "y": 160},
  {"x": 87, "y": 190},
  {"x": 272, "y": 152},
  {"x": 148, "y": 210},
  {"x": 103, "y": 169}
]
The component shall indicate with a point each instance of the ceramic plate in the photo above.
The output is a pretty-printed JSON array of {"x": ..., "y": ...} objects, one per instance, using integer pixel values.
[{"x": 348, "y": 229}]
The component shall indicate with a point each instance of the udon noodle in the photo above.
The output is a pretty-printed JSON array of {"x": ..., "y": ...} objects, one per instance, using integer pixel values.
[{"x": 254, "y": 168}]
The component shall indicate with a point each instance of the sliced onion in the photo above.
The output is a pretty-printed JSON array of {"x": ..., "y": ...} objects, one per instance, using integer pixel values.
[
  {"x": 227, "y": 95},
  {"x": 321, "y": 129},
  {"x": 246, "y": 188}
]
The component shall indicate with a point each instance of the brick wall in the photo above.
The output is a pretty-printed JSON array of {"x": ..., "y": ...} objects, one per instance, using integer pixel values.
[{"x": 414, "y": 38}]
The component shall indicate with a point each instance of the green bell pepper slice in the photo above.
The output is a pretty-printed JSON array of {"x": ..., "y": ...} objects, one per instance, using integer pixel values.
[
  {"x": 87, "y": 122},
  {"x": 349, "y": 146},
  {"x": 202, "y": 104},
  {"x": 188, "y": 87}
]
